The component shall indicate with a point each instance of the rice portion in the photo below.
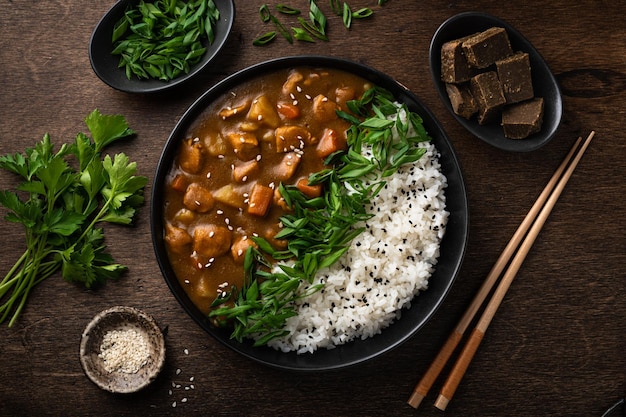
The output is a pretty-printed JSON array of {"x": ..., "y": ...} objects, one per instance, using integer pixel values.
[{"x": 385, "y": 267}]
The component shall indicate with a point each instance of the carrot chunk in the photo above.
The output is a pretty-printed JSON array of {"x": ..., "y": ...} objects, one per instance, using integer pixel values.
[
  {"x": 179, "y": 183},
  {"x": 260, "y": 200},
  {"x": 288, "y": 110},
  {"x": 330, "y": 142},
  {"x": 308, "y": 190}
]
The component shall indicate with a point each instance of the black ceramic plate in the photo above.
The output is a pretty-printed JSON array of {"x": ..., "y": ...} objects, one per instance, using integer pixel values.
[
  {"x": 105, "y": 65},
  {"x": 452, "y": 247},
  {"x": 544, "y": 83}
]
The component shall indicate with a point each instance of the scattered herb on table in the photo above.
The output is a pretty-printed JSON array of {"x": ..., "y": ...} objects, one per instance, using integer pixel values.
[
  {"x": 314, "y": 27},
  {"x": 321, "y": 229},
  {"x": 164, "y": 39},
  {"x": 61, "y": 207}
]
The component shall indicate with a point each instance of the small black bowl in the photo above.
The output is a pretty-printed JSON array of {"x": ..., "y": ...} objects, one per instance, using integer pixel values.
[
  {"x": 105, "y": 65},
  {"x": 544, "y": 82},
  {"x": 452, "y": 248}
]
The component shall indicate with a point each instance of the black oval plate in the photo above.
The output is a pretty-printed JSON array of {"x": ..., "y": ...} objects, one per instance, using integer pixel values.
[
  {"x": 424, "y": 306},
  {"x": 105, "y": 65},
  {"x": 544, "y": 82}
]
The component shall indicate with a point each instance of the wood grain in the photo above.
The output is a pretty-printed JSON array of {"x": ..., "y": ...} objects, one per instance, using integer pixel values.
[{"x": 556, "y": 346}]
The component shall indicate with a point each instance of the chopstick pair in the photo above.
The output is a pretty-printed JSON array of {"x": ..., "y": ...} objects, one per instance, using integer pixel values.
[{"x": 534, "y": 221}]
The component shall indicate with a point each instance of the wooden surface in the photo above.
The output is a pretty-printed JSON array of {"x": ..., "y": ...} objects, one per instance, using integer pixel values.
[{"x": 556, "y": 346}]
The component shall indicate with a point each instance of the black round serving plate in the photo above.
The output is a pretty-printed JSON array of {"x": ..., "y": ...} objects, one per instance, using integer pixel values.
[
  {"x": 423, "y": 307},
  {"x": 106, "y": 65},
  {"x": 544, "y": 83}
]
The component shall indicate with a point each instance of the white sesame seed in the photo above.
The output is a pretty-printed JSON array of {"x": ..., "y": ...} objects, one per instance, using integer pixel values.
[
  {"x": 178, "y": 371},
  {"x": 220, "y": 212},
  {"x": 191, "y": 379},
  {"x": 211, "y": 233},
  {"x": 174, "y": 404},
  {"x": 295, "y": 102},
  {"x": 298, "y": 89},
  {"x": 186, "y": 351},
  {"x": 184, "y": 400},
  {"x": 200, "y": 265},
  {"x": 208, "y": 175}
]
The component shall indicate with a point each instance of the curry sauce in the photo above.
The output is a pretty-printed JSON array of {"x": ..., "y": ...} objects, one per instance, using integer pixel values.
[{"x": 223, "y": 186}]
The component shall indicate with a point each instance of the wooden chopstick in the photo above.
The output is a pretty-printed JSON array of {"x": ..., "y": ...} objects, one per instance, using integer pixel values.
[{"x": 422, "y": 388}]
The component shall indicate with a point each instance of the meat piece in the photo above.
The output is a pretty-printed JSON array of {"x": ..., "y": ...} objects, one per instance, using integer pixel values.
[
  {"x": 211, "y": 240},
  {"x": 287, "y": 167},
  {"x": 515, "y": 77},
  {"x": 242, "y": 172},
  {"x": 487, "y": 92},
  {"x": 239, "y": 248},
  {"x": 523, "y": 119},
  {"x": 462, "y": 100},
  {"x": 290, "y": 86},
  {"x": 190, "y": 157},
  {"x": 198, "y": 198},
  {"x": 324, "y": 109},
  {"x": 485, "y": 48},
  {"x": 454, "y": 65},
  {"x": 245, "y": 144},
  {"x": 290, "y": 138},
  {"x": 176, "y": 238},
  {"x": 229, "y": 111}
]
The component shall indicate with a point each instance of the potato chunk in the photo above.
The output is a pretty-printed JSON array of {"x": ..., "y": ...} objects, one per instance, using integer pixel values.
[
  {"x": 211, "y": 240},
  {"x": 230, "y": 196},
  {"x": 190, "y": 158},
  {"x": 198, "y": 198},
  {"x": 262, "y": 111},
  {"x": 290, "y": 138}
]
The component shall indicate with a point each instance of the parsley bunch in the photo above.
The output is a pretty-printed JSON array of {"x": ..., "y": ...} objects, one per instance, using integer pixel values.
[{"x": 61, "y": 205}]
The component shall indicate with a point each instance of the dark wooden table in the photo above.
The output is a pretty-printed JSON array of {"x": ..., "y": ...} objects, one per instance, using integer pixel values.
[{"x": 555, "y": 348}]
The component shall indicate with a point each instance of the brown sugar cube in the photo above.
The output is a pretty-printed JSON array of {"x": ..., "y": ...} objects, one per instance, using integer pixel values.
[
  {"x": 487, "y": 92},
  {"x": 485, "y": 48},
  {"x": 523, "y": 119},
  {"x": 454, "y": 65},
  {"x": 462, "y": 100},
  {"x": 515, "y": 77}
]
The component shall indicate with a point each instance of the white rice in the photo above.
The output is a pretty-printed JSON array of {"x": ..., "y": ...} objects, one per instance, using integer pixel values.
[{"x": 385, "y": 267}]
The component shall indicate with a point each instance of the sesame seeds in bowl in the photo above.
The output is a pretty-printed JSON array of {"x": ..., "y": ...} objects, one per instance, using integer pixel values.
[{"x": 122, "y": 350}]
